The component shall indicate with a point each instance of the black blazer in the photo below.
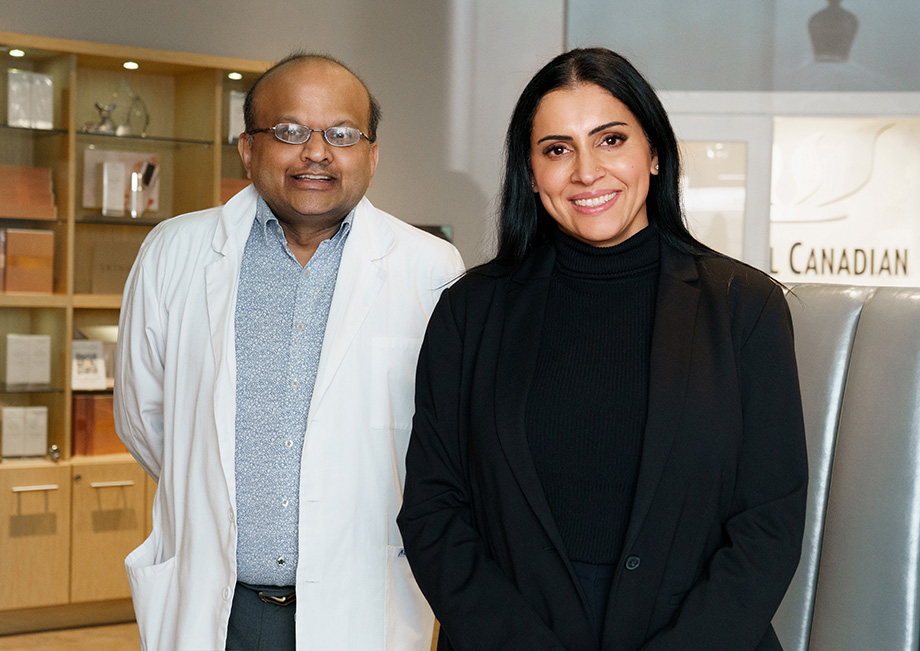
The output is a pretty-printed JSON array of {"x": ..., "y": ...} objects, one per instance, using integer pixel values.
[{"x": 717, "y": 521}]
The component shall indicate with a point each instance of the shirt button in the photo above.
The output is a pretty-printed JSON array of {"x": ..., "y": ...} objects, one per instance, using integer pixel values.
[
  {"x": 632, "y": 562},
  {"x": 299, "y": 326},
  {"x": 230, "y": 515},
  {"x": 281, "y": 561},
  {"x": 294, "y": 383},
  {"x": 284, "y": 502},
  {"x": 227, "y": 593},
  {"x": 306, "y": 273},
  {"x": 289, "y": 443}
]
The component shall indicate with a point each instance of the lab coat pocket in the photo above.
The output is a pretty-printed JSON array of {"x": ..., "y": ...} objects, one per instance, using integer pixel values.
[
  {"x": 392, "y": 389},
  {"x": 409, "y": 620},
  {"x": 155, "y": 591}
]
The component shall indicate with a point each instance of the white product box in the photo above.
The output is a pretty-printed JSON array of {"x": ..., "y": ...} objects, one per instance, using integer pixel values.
[
  {"x": 28, "y": 359},
  {"x": 113, "y": 188},
  {"x": 30, "y": 99},
  {"x": 25, "y": 431},
  {"x": 236, "y": 122}
]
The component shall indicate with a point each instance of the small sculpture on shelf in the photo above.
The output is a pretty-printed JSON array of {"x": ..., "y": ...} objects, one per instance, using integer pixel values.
[
  {"x": 137, "y": 117},
  {"x": 132, "y": 120},
  {"x": 106, "y": 124}
]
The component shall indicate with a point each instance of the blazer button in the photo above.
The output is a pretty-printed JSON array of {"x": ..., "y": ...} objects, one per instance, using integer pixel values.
[{"x": 632, "y": 562}]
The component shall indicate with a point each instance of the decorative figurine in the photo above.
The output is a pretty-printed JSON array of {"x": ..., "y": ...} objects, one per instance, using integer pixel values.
[
  {"x": 133, "y": 119},
  {"x": 106, "y": 124}
]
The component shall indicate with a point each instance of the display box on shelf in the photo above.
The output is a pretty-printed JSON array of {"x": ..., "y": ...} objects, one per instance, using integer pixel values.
[
  {"x": 229, "y": 187},
  {"x": 94, "y": 425},
  {"x": 105, "y": 336},
  {"x": 88, "y": 372},
  {"x": 24, "y": 431},
  {"x": 111, "y": 265},
  {"x": 27, "y": 260},
  {"x": 30, "y": 99},
  {"x": 26, "y": 193},
  {"x": 28, "y": 359},
  {"x": 236, "y": 122},
  {"x": 107, "y": 178}
]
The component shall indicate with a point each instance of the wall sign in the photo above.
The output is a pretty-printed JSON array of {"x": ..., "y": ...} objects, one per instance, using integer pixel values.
[{"x": 845, "y": 201}]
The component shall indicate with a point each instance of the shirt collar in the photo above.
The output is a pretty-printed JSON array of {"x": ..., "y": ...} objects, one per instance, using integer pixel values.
[{"x": 265, "y": 216}]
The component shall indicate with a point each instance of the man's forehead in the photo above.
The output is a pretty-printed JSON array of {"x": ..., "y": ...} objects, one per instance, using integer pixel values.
[{"x": 315, "y": 72}]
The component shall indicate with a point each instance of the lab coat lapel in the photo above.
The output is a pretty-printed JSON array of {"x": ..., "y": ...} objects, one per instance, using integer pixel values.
[
  {"x": 357, "y": 285},
  {"x": 222, "y": 280}
]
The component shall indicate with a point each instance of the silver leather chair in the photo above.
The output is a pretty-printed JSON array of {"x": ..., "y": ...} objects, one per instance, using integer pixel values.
[{"x": 858, "y": 583}]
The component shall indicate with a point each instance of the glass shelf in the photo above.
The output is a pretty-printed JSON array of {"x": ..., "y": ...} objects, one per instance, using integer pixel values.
[
  {"x": 111, "y": 137},
  {"x": 28, "y": 388},
  {"x": 30, "y": 130},
  {"x": 7, "y": 221},
  {"x": 124, "y": 220}
]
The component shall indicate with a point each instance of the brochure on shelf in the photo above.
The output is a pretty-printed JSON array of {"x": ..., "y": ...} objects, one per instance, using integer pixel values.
[{"x": 88, "y": 366}]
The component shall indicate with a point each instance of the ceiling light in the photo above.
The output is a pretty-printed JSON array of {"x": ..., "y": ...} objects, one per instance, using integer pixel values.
[
  {"x": 17, "y": 53},
  {"x": 130, "y": 65},
  {"x": 235, "y": 76}
]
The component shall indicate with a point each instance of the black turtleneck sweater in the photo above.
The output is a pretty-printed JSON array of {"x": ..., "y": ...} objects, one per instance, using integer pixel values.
[{"x": 587, "y": 403}]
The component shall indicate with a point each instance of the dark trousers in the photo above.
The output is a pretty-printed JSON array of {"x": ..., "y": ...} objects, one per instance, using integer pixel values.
[
  {"x": 259, "y": 626},
  {"x": 596, "y": 581}
]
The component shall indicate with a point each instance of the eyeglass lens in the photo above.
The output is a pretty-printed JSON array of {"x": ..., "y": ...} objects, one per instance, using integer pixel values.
[{"x": 297, "y": 134}]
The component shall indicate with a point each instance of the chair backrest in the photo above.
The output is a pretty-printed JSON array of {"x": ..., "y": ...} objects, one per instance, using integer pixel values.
[
  {"x": 868, "y": 584},
  {"x": 825, "y": 319},
  {"x": 858, "y": 584}
]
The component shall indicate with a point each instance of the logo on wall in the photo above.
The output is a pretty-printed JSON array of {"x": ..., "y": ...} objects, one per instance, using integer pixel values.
[{"x": 845, "y": 200}]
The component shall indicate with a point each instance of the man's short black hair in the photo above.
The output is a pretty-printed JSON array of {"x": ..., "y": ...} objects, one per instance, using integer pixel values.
[{"x": 374, "y": 108}]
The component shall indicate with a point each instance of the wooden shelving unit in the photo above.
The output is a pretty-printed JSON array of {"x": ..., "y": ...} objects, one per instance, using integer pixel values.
[{"x": 66, "y": 525}]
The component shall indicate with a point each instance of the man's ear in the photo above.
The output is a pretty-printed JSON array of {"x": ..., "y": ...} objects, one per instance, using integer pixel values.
[
  {"x": 244, "y": 145},
  {"x": 374, "y": 153}
]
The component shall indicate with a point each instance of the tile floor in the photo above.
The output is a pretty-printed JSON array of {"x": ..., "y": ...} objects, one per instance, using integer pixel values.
[{"x": 115, "y": 637}]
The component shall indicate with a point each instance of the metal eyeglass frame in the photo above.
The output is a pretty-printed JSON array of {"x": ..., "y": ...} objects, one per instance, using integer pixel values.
[{"x": 280, "y": 127}]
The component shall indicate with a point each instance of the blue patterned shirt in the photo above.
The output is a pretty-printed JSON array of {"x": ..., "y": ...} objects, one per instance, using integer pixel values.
[{"x": 281, "y": 313}]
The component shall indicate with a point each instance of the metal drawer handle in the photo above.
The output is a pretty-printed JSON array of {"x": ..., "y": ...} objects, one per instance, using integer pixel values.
[
  {"x": 34, "y": 489},
  {"x": 111, "y": 484}
]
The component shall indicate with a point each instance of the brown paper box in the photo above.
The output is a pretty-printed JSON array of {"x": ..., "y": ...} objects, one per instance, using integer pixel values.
[
  {"x": 94, "y": 426},
  {"x": 111, "y": 265},
  {"x": 229, "y": 187},
  {"x": 29, "y": 261},
  {"x": 26, "y": 193}
]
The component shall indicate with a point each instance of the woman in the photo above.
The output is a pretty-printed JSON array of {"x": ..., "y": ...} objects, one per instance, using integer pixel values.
[{"x": 608, "y": 449}]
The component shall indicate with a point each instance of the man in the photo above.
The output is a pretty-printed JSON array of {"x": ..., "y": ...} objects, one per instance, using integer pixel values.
[{"x": 265, "y": 372}]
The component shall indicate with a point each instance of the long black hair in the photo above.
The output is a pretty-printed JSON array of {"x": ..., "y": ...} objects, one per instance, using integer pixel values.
[{"x": 523, "y": 221}]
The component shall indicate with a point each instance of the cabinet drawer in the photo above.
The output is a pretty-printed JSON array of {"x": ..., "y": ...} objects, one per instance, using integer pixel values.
[
  {"x": 108, "y": 516},
  {"x": 34, "y": 536}
]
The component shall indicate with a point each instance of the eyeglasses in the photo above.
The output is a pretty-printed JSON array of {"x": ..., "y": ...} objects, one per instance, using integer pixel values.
[{"x": 297, "y": 134}]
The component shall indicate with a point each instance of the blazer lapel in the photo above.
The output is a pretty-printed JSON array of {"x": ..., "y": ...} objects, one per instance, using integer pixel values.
[
  {"x": 520, "y": 342},
  {"x": 672, "y": 343}
]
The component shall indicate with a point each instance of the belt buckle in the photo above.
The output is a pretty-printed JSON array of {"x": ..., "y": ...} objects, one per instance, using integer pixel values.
[{"x": 278, "y": 600}]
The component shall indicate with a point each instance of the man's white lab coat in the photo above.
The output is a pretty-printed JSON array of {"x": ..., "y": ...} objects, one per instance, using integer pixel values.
[{"x": 175, "y": 396}]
